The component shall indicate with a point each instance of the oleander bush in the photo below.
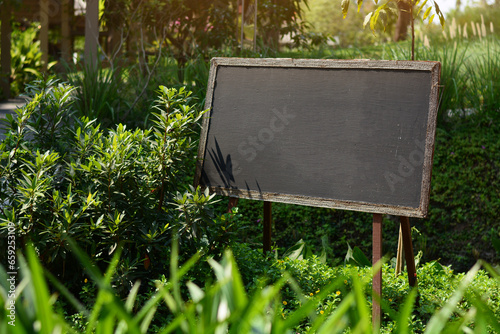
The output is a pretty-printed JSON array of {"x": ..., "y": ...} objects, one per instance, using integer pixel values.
[{"x": 64, "y": 177}]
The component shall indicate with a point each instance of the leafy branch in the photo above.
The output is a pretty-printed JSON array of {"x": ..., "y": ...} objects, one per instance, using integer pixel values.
[{"x": 417, "y": 9}]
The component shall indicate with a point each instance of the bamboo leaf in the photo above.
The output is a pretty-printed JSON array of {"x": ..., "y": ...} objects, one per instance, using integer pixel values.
[
  {"x": 427, "y": 12},
  {"x": 129, "y": 304},
  {"x": 394, "y": 11},
  {"x": 431, "y": 18},
  {"x": 367, "y": 19},
  {"x": 374, "y": 19},
  {"x": 345, "y": 8},
  {"x": 360, "y": 3},
  {"x": 196, "y": 293},
  {"x": 421, "y": 7},
  {"x": 383, "y": 17},
  {"x": 440, "y": 14}
]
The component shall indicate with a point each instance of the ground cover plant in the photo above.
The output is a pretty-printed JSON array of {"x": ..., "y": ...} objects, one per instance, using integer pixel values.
[{"x": 314, "y": 298}]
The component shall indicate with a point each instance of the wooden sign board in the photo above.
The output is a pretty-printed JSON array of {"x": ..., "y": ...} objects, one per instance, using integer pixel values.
[{"x": 346, "y": 134}]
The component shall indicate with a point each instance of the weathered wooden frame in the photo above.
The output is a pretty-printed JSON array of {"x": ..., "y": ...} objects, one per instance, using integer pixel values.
[{"x": 421, "y": 211}]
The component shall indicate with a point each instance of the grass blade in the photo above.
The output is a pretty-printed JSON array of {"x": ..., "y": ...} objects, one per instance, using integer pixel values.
[{"x": 438, "y": 321}]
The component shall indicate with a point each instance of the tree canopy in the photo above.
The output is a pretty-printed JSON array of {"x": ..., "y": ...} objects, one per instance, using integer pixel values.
[{"x": 192, "y": 27}]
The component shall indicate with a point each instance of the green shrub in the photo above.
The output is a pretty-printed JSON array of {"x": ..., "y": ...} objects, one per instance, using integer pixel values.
[
  {"x": 62, "y": 177},
  {"x": 26, "y": 57}
]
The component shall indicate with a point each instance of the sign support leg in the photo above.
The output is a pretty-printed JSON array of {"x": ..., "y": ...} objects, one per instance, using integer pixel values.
[
  {"x": 408, "y": 247},
  {"x": 233, "y": 201},
  {"x": 267, "y": 226},
  {"x": 268, "y": 219},
  {"x": 377, "y": 277},
  {"x": 399, "y": 254}
]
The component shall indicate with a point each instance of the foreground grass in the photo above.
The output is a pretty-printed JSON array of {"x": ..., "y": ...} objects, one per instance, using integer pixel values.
[{"x": 306, "y": 297}]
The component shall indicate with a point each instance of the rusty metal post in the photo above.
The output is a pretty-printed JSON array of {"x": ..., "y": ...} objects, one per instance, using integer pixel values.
[
  {"x": 268, "y": 217},
  {"x": 408, "y": 247},
  {"x": 377, "y": 277}
]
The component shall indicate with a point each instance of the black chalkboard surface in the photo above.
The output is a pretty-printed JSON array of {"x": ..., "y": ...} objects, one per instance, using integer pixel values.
[{"x": 348, "y": 134}]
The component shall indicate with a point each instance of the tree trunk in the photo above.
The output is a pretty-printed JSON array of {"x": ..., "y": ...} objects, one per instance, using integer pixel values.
[
  {"x": 44, "y": 33},
  {"x": 5, "y": 60},
  {"x": 181, "y": 66},
  {"x": 115, "y": 26},
  {"x": 401, "y": 32},
  {"x": 273, "y": 37},
  {"x": 91, "y": 33},
  {"x": 66, "y": 45}
]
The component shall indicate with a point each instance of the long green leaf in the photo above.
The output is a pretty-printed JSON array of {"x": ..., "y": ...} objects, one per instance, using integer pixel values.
[
  {"x": 336, "y": 322},
  {"x": 367, "y": 19},
  {"x": 310, "y": 305},
  {"x": 257, "y": 304},
  {"x": 41, "y": 293},
  {"x": 67, "y": 294},
  {"x": 363, "y": 312},
  {"x": 405, "y": 313},
  {"x": 439, "y": 319}
]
